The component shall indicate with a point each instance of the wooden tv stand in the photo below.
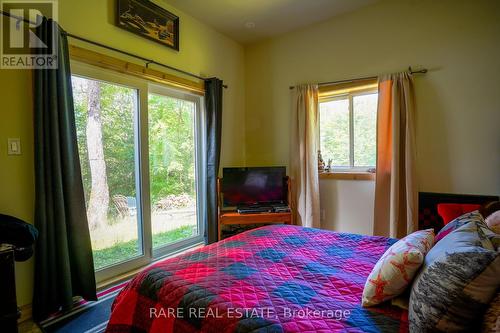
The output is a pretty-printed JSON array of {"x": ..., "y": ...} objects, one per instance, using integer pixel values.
[{"x": 233, "y": 217}]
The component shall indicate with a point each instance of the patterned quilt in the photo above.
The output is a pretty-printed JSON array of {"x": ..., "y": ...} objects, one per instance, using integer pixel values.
[{"x": 278, "y": 278}]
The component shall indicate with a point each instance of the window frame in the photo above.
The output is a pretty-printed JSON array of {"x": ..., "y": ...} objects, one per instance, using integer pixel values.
[
  {"x": 341, "y": 93},
  {"x": 141, "y": 129}
]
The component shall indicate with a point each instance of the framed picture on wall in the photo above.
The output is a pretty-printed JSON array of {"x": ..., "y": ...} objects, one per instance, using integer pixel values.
[{"x": 148, "y": 20}]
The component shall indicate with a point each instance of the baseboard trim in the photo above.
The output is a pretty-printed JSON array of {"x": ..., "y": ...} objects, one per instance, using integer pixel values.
[{"x": 78, "y": 309}]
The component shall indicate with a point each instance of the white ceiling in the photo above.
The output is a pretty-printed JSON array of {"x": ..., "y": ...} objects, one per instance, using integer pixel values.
[{"x": 248, "y": 21}]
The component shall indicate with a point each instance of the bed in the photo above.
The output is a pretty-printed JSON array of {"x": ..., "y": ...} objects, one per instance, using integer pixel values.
[{"x": 278, "y": 278}]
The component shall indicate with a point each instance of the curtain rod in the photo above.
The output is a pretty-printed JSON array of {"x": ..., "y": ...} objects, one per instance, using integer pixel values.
[
  {"x": 422, "y": 71},
  {"x": 146, "y": 60}
]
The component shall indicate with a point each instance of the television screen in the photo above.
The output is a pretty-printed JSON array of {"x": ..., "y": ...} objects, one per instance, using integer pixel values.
[{"x": 256, "y": 185}]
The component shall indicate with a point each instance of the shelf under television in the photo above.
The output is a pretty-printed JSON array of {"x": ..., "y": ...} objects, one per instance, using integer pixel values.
[{"x": 232, "y": 217}]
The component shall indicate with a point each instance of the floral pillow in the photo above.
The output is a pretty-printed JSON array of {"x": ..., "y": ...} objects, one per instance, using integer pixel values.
[
  {"x": 458, "y": 222},
  {"x": 396, "y": 268}
]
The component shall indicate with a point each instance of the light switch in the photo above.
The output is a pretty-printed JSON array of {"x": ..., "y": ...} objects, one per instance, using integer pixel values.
[{"x": 14, "y": 146}]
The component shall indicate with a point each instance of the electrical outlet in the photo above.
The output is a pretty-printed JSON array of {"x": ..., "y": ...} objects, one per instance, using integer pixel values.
[{"x": 14, "y": 146}]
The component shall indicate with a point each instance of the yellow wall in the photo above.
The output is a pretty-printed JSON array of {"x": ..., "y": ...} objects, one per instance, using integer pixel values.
[
  {"x": 458, "y": 101},
  {"x": 202, "y": 51},
  {"x": 17, "y": 190}
]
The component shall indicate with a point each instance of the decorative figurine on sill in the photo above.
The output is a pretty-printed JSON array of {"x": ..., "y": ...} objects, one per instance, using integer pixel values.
[
  {"x": 321, "y": 163},
  {"x": 329, "y": 166}
]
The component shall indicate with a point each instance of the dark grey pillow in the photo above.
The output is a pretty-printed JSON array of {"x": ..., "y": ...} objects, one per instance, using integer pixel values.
[{"x": 459, "y": 278}]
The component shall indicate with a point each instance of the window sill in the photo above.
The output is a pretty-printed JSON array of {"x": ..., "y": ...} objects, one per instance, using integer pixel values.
[{"x": 347, "y": 175}]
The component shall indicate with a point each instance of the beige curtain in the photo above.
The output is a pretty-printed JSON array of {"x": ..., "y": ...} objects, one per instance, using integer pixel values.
[
  {"x": 396, "y": 205},
  {"x": 303, "y": 156}
]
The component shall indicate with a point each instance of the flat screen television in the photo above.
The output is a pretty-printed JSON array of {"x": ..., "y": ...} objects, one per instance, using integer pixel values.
[{"x": 254, "y": 185}]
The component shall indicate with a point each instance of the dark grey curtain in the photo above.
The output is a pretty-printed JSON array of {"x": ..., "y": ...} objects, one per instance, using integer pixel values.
[
  {"x": 213, "y": 100},
  {"x": 63, "y": 258}
]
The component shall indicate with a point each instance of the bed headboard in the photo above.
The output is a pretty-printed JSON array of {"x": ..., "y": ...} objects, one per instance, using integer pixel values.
[{"x": 427, "y": 206}]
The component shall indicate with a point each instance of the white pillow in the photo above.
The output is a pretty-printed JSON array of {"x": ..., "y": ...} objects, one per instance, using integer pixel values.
[{"x": 397, "y": 267}]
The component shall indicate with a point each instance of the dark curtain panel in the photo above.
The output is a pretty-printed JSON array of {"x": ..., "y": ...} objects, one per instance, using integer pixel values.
[
  {"x": 63, "y": 258},
  {"x": 213, "y": 100}
]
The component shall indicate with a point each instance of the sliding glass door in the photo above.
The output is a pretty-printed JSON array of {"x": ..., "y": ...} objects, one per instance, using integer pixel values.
[
  {"x": 140, "y": 145},
  {"x": 174, "y": 168},
  {"x": 105, "y": 115}
]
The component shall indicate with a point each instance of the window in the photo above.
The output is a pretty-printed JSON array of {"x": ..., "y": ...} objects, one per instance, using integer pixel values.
[
  {"x": 140, "y": 148},
  {"x": 348, "y": 119}
]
